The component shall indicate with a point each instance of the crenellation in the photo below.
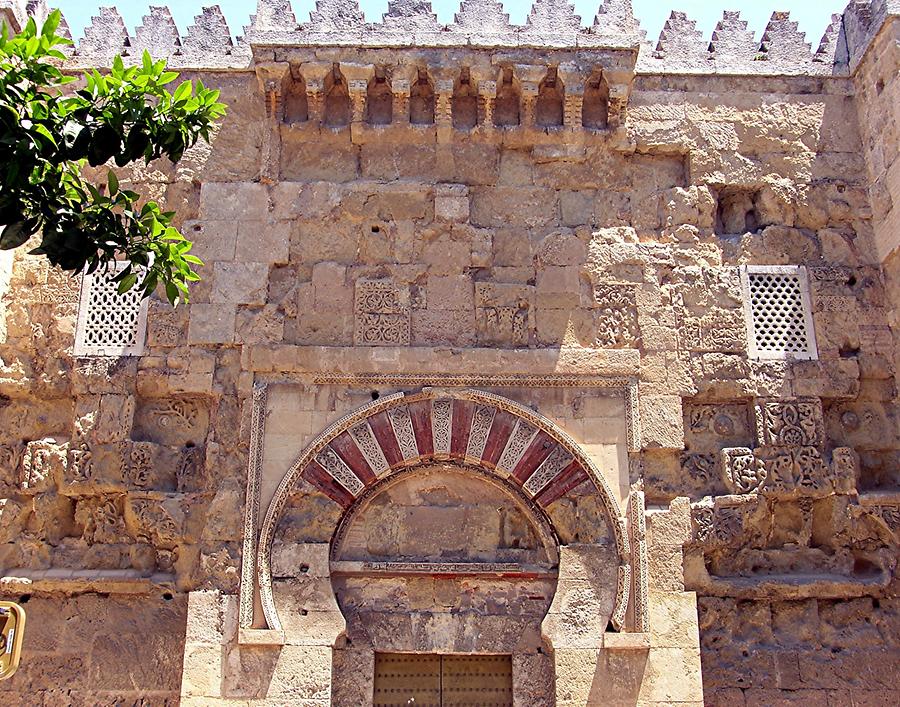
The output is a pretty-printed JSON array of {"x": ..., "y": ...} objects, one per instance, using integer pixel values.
[
  {"x": 732, "y": 42},
  {"x": 274, "y": 21},
  {"x": 680, "y": 43},
  {"x": 551, "y": 23},
  {"x": 414, "y": 16},
  {"x": 483, "y": 22},
  {"x": 208, "y": 38},
  {"x": 833, "y": 45},
  {"x": 158, "y": 34},
  {"x": 782, "y": 42},
  {"x": 104, "y": 38}
]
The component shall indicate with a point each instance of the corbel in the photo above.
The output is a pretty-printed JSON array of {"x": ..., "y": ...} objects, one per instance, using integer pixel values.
[{"x": 358, "y": 77}]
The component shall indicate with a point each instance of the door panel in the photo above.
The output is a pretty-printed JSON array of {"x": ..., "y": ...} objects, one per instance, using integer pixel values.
[
  {"x": 406, "y": 679},
  {"x": 476, "y": 681}
]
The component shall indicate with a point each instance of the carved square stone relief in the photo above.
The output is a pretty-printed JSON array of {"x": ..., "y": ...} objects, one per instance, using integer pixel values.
[
  {"x": 792, "y": 423},
  {"x": 381, "y": 313}
]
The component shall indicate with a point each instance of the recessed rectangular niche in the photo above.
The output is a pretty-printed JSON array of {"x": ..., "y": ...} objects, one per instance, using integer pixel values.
[{"x": 736, "y": 212}]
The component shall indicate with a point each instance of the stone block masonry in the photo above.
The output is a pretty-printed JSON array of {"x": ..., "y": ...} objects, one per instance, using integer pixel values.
[{"x": 473, "y": 368}]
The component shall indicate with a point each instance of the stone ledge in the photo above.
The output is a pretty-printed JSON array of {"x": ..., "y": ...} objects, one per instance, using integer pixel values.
[
  {"x": 70, "y": 581},
  {"x": 793, "y": 586},
  {"x": 439, "y": 359},
  {"x": 260, "y": 637},
  {"x": 626, "y": 641}
]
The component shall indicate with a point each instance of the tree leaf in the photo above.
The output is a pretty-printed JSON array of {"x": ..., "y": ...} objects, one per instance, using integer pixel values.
[
  {"x": 51, "y": 23},
  {"x": 113, "y": 182},
  {"x": 105, "y": 142},
  {"x": 15, "y": 234},
  {"x": 126, "y": 283}
]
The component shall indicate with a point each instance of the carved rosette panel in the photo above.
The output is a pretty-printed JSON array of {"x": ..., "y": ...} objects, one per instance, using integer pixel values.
[
  {"x": 719, "y": 522},
  {"x": 742, "y": 471},
  {"x": 790, "y": 423},
  {"x": 381, "y": 313},
  {"x": 616, "y": 320}
]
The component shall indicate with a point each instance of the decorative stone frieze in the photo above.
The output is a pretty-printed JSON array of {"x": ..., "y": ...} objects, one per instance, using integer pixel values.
[
  {"x": 742, "y": 471},
  {"x": 382, "y": 313},
  {"x": 790, "y": 423}
]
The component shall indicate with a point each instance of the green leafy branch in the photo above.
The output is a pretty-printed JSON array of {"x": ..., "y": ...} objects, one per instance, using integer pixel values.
[{"x": 48, "y": 135}]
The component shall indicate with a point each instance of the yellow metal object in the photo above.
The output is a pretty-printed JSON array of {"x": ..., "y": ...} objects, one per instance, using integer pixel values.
[{"x": 12, "y": 631}]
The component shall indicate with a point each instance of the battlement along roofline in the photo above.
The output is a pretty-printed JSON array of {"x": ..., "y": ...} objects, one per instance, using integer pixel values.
[{"x": 732, "y": 49}]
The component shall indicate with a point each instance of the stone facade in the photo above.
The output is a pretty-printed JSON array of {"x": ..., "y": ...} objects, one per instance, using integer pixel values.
[{"x": 478, "y": 366}]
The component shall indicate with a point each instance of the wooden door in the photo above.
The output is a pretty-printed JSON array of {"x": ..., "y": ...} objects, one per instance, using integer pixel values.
[{"x": 427, "y": 680}]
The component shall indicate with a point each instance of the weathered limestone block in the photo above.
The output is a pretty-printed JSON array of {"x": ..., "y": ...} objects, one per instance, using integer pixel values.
[
  {"x": 240, "y": 283},
  {"x": 673, "y": 618},
  {"x": 202, "y": 670},
  {"x": 263, "y": 240},
  {"x": 451, "y": 203},
  {"x": 212, "y": 324},
  {"x": 662, "y": 422},
  {"x": 259, "y": 325},
  {"x": 14, "y": 514},
  {"x": 43, "y": 465},
  {"x": 291, "y": 559},
  {"x": 584, "y": 599},
  {"x": 234, "y": 201},
  {"x": 302, "y": 673},
  {"x": 54, "y": 518}
]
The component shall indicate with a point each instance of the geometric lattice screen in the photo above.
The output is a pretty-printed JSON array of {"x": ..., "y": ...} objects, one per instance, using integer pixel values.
[
  {"x": 109, "y": 324},
  {"x": 778, "y": 312}
]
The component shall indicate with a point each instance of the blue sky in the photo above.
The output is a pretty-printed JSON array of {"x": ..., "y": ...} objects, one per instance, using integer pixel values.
[{"x": 813, "y": 15}]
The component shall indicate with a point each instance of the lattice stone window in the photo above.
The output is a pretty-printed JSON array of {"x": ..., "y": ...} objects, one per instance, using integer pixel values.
[
  {"x": 778, "y": 312},
  {"x": 109, "y": 324}
]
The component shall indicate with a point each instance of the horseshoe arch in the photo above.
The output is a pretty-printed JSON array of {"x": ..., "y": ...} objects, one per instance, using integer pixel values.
[{"x": 476, "y": 428}]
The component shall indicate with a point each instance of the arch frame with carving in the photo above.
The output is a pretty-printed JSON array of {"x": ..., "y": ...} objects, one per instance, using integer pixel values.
[{"x": 259, "y": 545}]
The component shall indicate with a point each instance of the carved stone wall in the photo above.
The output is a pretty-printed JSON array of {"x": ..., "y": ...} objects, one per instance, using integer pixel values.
[{"x": 397, "y": 206}]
